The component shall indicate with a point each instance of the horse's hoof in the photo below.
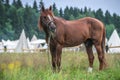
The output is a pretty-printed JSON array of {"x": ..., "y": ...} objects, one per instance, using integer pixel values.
[{"x": 90, "y": 69}]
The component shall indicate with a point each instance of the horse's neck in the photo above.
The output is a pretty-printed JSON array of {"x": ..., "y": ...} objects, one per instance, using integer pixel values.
[
  {"x": 62, "y": 21},
  {"x": 59, "y": 19}
]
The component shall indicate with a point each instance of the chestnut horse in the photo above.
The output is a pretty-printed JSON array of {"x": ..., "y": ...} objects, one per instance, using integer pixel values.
[{"x": 64, "y": 33}]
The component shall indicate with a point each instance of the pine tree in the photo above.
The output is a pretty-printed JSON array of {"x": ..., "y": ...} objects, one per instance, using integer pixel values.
[
  {"x": 85, "y": 10},
  {"x": 41, "y": 4},
  {"x": 19, "y": 4},
  {"x": 55, "y": 10},
  {"x": 14, "y": 3},
  {"x": 35, "y": 6},
  {"x": 61, "y": 12},
  {"x": 108, "y": 18},
  {"x": 81, "y": 11},
  {"x": 90, "y": 13},
  {"x": 66, "y": 13},
  {"x": 54, "y": 7},
  {"x": 7, "y": 3},
  {"x": 71, "y": 11},
  {"x": 99, "y": 15},
  {"x": 76, "y": 12}
]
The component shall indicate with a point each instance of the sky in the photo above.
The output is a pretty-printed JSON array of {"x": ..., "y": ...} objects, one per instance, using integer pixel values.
[{"x": 113, "y": 6}]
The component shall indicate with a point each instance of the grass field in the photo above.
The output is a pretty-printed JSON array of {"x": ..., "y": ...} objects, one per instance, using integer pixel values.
[{"x": 35, "y": 66}]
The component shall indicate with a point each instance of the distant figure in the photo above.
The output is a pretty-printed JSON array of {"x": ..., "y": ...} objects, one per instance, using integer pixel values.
[
  {"x": 107, "y": 48},
  {"x": 5, "y": 48},
  {"x": 106, "y": 45}
]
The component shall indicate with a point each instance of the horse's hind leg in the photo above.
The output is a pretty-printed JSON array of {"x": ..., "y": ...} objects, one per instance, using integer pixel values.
[
  {"x": 88, "y": 45},
  {"x": 100, "y": 55}
]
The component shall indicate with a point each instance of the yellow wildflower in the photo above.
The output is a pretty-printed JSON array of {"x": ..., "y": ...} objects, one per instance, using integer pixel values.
[{"x": 11, "y": 66}]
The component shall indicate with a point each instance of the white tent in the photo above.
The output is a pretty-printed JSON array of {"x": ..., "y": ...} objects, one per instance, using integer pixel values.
[
  {"x": 38, "y": 43},
  {"x": 10, "y": 45},
  {"x": 29, "y": 44},
  {"x": 113, "y": 42},
  {"x": 34, "y": 38},
  {"x": 22, "y": 44}
]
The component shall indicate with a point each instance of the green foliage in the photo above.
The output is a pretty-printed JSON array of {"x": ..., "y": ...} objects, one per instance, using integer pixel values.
[
  {"x": 2, "y": 15},
  {"x": 109, "y": 30},
  {"x": 8, "y": 31},
  {"x": 116, "y": 22},
  {"x": 71, "y": 17}
]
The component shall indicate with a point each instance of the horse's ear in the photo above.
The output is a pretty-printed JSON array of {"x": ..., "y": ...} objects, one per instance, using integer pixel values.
[
  {"x": 39, "y": 25},
  {"x": 43, "y": 8},
  {"x": 50, "y": 8}
]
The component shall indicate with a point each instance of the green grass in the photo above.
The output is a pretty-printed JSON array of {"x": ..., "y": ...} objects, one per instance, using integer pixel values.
[{"x": 35, "y": 66}]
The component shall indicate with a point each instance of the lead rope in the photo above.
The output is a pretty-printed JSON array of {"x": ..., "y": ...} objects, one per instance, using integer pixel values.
[
  {"x": 49, "y": 49},
  {"x": 51, "y": 35}
]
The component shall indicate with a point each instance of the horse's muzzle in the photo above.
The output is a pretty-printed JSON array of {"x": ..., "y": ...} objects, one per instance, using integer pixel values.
[{"x": 52, "y": 27}]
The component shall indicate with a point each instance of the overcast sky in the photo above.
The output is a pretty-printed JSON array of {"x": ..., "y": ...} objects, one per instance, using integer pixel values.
[{"x": 111, "y": 5}]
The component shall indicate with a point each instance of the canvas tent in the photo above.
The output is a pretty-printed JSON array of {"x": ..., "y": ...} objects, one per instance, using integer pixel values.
[
  {"x": 34, "y": 38},
  {"x": 113, "y": 42},
  {"x": 22, "y": 44},
  {"x": 10, "y": 45},
  {"x": 38, "y": 43}
]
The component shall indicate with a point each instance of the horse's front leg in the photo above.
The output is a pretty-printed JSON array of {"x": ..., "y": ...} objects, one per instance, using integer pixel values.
[
  {"x": 58, "y": 52},
  {"x": 56, "y": 57}
]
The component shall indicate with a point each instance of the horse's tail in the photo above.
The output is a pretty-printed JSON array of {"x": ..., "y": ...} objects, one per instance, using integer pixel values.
[
  {"x": 104, "y": 47},
  {"x": 103, "y": 41}
]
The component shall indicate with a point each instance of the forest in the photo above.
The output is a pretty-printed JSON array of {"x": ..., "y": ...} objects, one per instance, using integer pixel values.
[{"x": 15, "y": 16}]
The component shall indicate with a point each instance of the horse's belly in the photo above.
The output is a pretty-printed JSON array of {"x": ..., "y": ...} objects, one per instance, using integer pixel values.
[
  {"x": 71, "y": 43},
  {"x": 75, "y": 37}
]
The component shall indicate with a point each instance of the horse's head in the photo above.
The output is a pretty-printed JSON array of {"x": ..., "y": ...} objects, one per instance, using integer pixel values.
[{"x": 47, "y": 19}]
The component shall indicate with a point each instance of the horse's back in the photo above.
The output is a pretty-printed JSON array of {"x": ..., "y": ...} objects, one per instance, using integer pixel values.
[
  {"x": 93, "y": 21},
  {"x": 85, "y": 26}
]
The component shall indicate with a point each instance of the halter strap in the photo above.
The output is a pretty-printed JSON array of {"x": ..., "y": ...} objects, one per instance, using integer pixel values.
[{"x": 49, "y": 23}]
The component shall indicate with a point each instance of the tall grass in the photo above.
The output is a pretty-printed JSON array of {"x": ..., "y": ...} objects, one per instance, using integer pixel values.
[{"x": 35, "y": 66}]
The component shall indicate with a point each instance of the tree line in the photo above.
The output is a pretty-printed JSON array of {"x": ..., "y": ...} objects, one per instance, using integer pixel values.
[{"x": 15, "y": 17}]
